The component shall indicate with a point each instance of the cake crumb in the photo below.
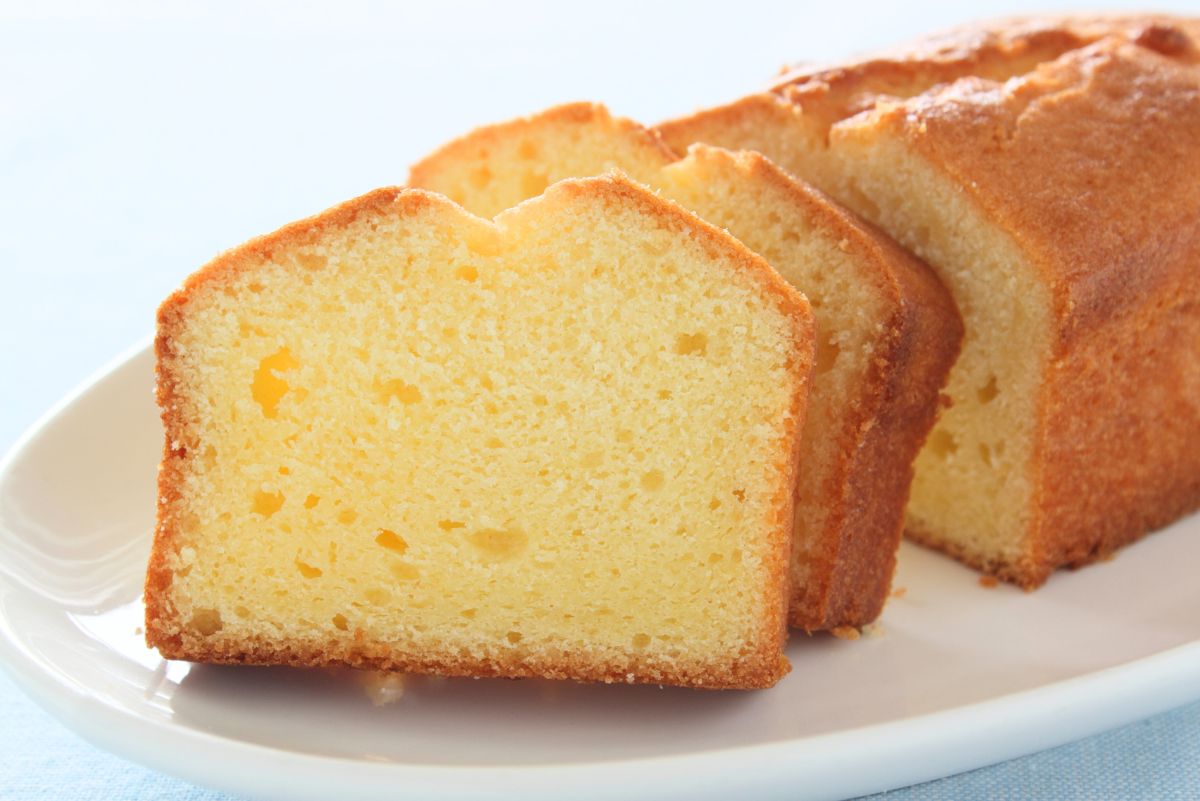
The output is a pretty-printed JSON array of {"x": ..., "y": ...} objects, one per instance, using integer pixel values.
[
  {"x": 988, "y": 582},
  {"x": 873, "y": 630},
  {"x": 380, "y": 686},
  {"x": 899, "y": 592},
  {"x": 845, "y": 632}
]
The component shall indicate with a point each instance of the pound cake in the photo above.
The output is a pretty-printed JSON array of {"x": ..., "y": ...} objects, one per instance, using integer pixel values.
[
  {"x": 1056, "y": 191},
  {"x": 561, "y": 444},
  {"x": 887, "y": 331}
]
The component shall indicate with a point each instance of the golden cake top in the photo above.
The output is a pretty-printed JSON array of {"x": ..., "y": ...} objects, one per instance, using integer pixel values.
[
  {"x": 997, "y": 49},
  {"x": 1090, "y": 162}
]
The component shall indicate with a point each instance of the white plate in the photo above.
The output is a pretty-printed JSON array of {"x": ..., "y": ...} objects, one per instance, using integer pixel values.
[{"x": 960, "y": 676}]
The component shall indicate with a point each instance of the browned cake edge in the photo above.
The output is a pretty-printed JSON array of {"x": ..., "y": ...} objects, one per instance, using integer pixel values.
[
  {"x": 467, "y": 146},
  {"x": 762, "y": 668},
  {"x": 885, "y": 424},
  {"x": 994, "y": 48},
  {"x": 1120, "y": 409},
  {"x": 897, "y": 410},
  {"x": 755, "y": 110}
]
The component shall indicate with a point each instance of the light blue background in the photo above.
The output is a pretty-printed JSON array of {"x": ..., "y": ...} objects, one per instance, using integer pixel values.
[{"x": 137, "y": 140}]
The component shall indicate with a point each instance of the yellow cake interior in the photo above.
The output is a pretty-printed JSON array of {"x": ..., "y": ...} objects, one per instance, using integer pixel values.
[
  {"x": 741, "y": 193},
  {"x": 973, "y": 488},
  {"x": 725, "y": 189},
  {"x": 555, "y": 440}
]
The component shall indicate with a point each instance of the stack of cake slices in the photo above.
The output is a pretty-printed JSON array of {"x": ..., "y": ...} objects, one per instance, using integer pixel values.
[{"x": 595, "y": 401}]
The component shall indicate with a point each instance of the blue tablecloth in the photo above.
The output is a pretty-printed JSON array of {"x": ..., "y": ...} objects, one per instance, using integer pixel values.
[{"x": 1153, "y": 760}]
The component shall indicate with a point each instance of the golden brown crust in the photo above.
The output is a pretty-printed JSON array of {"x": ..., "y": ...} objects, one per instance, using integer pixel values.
[
  {"x": 1112, "y": 126},
  {"x": 899, "y": 408},
  {"x": 762, "y": 667},
  {"x": 1111, "y": 133},
  {"x": 742, "y": 119},
  {"x": 751, "y": 672},
  {"x": 993, "y": 50},
  {"x": 1120, "y": 427},
  {"x": 809, "y": 99},
  {"x": 470, "y": 145},
  {"x": 1018, "y": 573}
]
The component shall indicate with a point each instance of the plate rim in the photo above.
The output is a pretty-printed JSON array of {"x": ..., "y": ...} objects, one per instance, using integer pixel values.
[{"x": 902, "y": 752}]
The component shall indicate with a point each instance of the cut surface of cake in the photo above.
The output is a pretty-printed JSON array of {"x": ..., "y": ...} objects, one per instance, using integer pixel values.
[
  {"x": 1057, "y": 194},
  {"x": 887, "y": 331},
  {"x": 562, "y": 444}
]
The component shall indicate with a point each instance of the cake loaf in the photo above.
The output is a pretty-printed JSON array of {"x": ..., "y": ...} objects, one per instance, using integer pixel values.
[
  {"x": 1049, "y": 171},
  {"x": 887, "y": 331},
  {"x": 562, "y": 444}
]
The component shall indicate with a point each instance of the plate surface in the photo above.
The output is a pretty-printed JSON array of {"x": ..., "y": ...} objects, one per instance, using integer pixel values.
[{"x": 956, "y": 675}]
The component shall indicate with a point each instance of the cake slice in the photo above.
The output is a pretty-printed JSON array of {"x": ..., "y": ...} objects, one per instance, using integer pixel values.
[
  {"x": 887, "y": 330},
  {"x": 1061, "y": 207},
  {"x": 562, "y": 444}
]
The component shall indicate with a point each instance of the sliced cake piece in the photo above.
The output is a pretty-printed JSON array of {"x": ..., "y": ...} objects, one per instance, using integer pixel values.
[
  {"x": 1062, "y": 210},
  {"x": 562, "y": 444},
  {"x": 887, "y": 330}
]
